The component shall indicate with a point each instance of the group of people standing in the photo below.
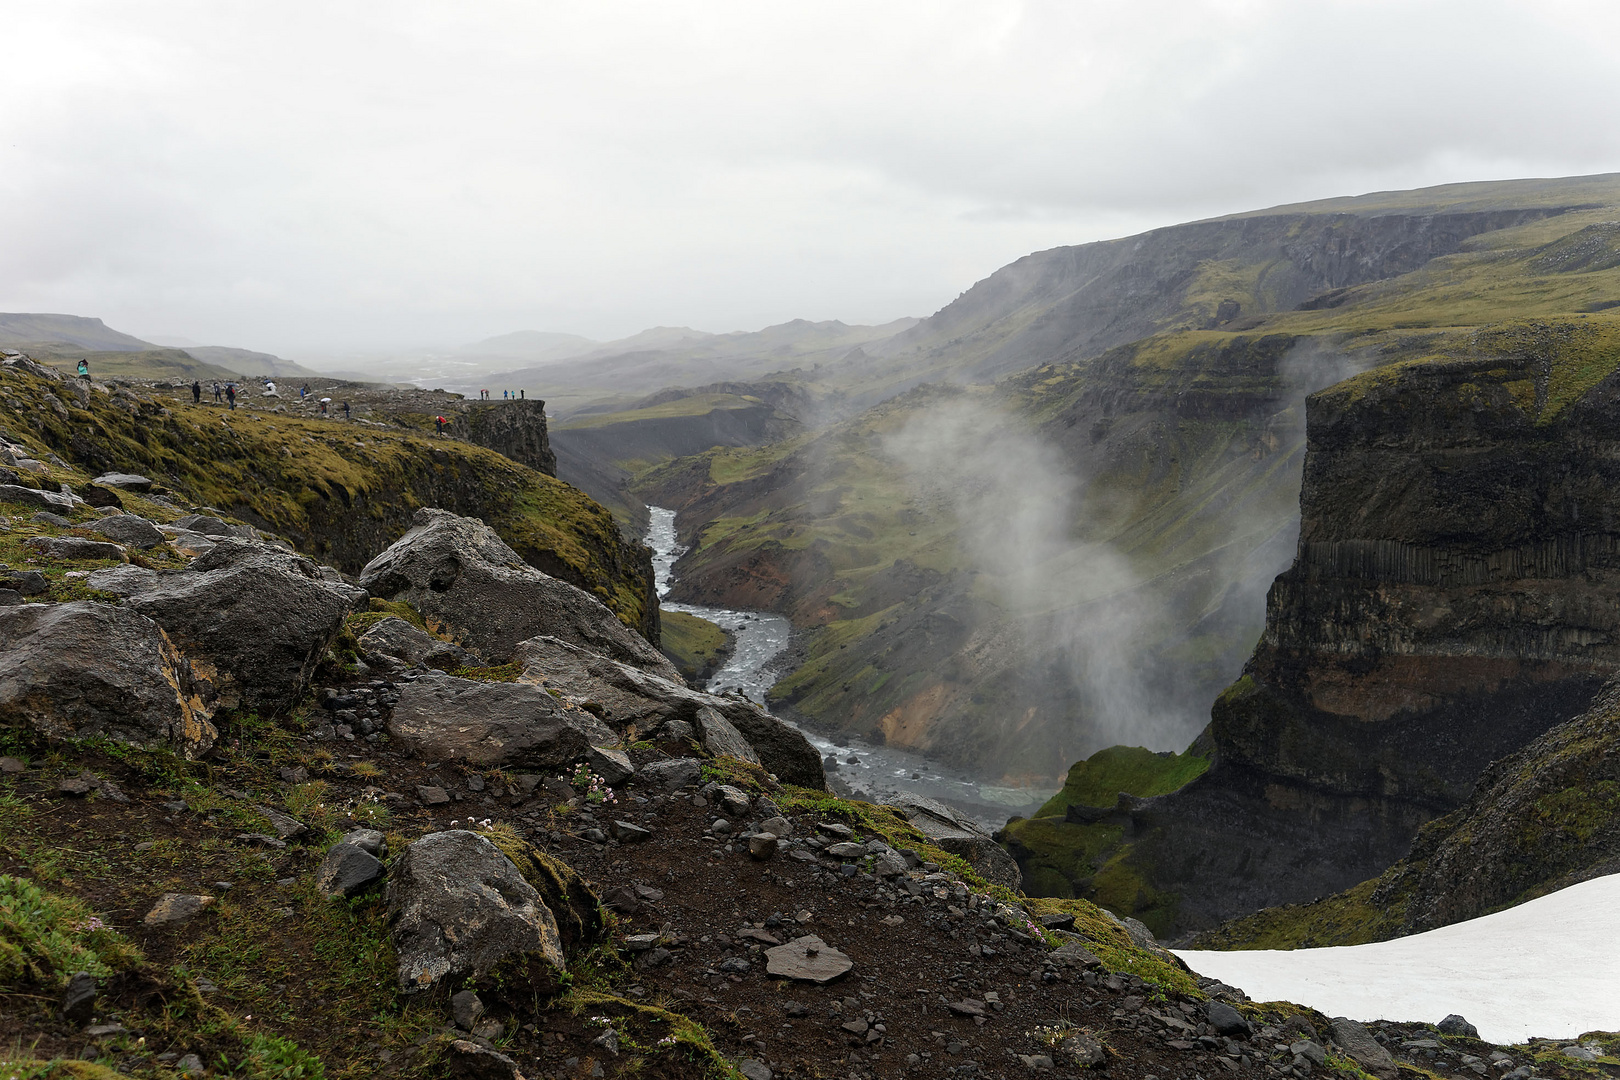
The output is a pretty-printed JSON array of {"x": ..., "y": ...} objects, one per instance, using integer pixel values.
[
  {"x": 228, "y": 393},
  {"x": 506, "y": 395}
]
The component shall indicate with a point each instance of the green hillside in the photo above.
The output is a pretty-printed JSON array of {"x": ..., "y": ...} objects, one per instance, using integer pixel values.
[{"x": 1174, "y": 458}]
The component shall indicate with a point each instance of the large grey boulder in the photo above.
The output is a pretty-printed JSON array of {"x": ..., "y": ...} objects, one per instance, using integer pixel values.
[
  {"x": 487, "y": 724},
  {"x": 457, "y": 908},
  {"x": 83, "y": 669},
  {"x": 954, "y": 833},
  {"x": 43, "y": 500},
  {"x": 627, "y": 697},
  {"x": 252, "y": 618},
  {"x": 128, "y": 529},
  {"x": 1363, "y": 1049},
  {"x": 458, "y": 571},
  {"x": 396, "y": 640},
  {"x": 75, "y": 547}
]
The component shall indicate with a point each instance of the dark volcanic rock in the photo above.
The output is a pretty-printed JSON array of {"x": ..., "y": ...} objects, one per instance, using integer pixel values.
[
  {"x": 82, "y": 668},
  {"x": 44, "y": 500},
  {"x": 348, "y": 870},
  {"x": 253, "y": 618},
  {"x": 442, "y": 718},
  {"x": 627, "y": 695},
  {"x": 128, "y": 529},
  {"x": 456, "y": 570},
  {"x": 458, "y": 907},
  {"x": 399, "y": 640},
  {"x": 959, "y": 836},
  {"x": 1540, "y": 820},
  {"x": 1443, "y": 611}
]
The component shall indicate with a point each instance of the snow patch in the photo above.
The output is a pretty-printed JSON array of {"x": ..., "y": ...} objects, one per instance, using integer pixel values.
[{"x": 1547, "y": 968}]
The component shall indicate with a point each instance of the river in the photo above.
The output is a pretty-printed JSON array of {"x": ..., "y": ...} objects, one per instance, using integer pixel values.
[{"x": 854, "y": 766}]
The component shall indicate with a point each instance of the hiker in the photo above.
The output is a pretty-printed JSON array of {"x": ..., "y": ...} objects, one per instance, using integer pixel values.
[
  {"x": 230, "y": 395},
  {"x": 270, "y": 389},
  {"x": 196, "y": 392},
  {"x": 216, "y": 392},
  {"x": 303, "y": 392},
  {"x": 438, "y": 422},
  {"x": 323, "y": 406},
  {"x": 520, "y": 395},
  {"x": 345, "y": 410}
]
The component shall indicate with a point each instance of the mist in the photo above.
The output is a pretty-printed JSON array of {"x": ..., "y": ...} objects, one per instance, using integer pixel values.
[{"x": 1085, "y": 635}]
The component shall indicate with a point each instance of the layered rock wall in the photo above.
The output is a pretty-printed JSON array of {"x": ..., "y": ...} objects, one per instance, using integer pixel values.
[{"x": 1455, "y": 594}]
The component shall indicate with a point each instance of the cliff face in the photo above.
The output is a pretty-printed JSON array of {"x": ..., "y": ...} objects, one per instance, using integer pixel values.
[
  {"x": 1452, "y": 598},
  {"x": 1453, "y": 593},
  {"x": 516, "y": 429}
]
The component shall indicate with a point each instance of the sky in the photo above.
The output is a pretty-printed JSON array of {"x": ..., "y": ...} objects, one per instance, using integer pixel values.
[{"x": 301, "y": 177}]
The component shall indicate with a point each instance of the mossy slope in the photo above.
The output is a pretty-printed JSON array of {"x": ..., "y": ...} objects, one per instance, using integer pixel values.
[{"x": 340, "y": 493}]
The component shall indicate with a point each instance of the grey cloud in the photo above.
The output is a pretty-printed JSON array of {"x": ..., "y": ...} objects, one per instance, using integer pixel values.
[{"x": 302, "y": 174}]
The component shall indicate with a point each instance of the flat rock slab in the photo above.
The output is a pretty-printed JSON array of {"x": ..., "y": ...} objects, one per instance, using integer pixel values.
[
  {"x": 175, "y": 908},
  {"x": 127, "y": 481},
  {"x": 807, "y": 958},
  {"x": 75, "y": 547},
  {"x": 43, "y": 500}
]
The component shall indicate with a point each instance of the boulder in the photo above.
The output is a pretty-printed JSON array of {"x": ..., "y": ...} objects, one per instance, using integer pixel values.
[
  {"x": 953, "y": 833},
  {"x": 42, "y": 500},
  {"x": 209, "y": 525},
  {"x": 102, "y": 498},
  {"x": 1363, "y": 1049},
  {"x": 672, "y": 773},
  {"x": 458, "y": 908},
  {"x": 458, "y": 571},
  {"x": 347, "y": 870},
  {"x": 253, "y": 618},
  {"x": 84, "y": 669},
  {"x": 1225, "y": 1019},
  {"x": 126, "y": 481},
  {"x": 397, "y": 640},
  {"x": 515, "y": 725},
  {"x": 75, "y": 547},
  {"x": 572, "y": 902},
  {"x": 628, "y": 696},
  {"x": 128, "y": 529},
  {"x": 1454, "y": 1024}
]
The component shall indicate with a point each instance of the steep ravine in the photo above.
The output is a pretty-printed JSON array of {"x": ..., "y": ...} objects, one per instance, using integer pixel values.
[
  {"x": 1452, "y": 598},
  {"x": 854, "y": 766}
]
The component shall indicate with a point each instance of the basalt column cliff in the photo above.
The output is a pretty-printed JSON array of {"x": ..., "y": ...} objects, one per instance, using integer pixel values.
[{"x": 1453, "y": 597}]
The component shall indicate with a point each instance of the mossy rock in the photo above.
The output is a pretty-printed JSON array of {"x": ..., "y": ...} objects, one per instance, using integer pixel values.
[{"x": 574, "y": 904}]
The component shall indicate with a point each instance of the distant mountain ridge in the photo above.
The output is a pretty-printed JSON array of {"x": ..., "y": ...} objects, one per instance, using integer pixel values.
[
  {"x": 26, "y": 328},
  {"x": 58, "y": 337}
]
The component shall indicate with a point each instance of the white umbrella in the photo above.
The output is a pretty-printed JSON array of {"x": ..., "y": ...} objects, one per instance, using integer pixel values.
[{"x": 326, "y": 399}]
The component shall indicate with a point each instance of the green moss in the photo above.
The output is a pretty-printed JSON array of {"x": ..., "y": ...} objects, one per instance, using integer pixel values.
[
  {"x": 337, "y": 499},
  {"x": 1347, "y": 918},
  {"x": 1098, "y": 780},
  {"x": 23, "y": 1068},
  {"x": 499, "y": 673},
  {"x": 46, "y": 937},
  {"x": 692, "y": 644},
  {"x": 575, "y": 905}
]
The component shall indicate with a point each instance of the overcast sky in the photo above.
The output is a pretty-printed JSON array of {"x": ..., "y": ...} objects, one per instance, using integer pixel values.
[{"x": 295, "y": 176}]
